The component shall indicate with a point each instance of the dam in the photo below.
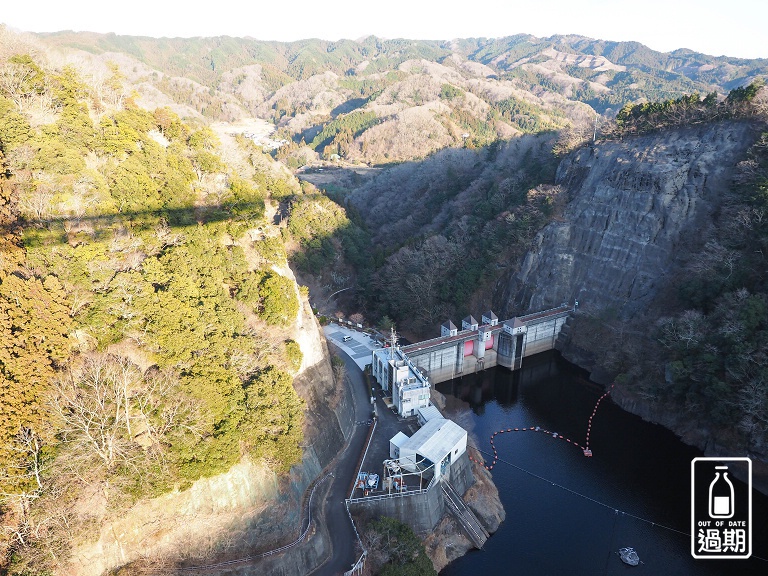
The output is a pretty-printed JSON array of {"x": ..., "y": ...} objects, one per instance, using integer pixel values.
[{"x": 407, "y": 372}]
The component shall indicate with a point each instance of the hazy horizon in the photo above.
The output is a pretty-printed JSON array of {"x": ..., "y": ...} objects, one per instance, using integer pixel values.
[{"x": 702, "y": 26}]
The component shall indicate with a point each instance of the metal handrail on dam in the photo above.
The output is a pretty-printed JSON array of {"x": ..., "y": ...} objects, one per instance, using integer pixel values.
[{"x": 505, "y": 344}]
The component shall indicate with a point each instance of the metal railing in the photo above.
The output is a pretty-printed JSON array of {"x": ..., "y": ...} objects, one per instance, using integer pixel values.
[
  {"x": 439, "y": 339},
  {"x": 563, "y": 309},
  {"x": 362, "y": 458},
  {"x": 298, "y": 540},
  {"x": 358, "y": 566},
  {"x": 396, "y": 494}
]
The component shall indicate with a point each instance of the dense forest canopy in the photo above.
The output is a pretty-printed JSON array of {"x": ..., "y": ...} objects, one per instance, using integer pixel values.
[
  {"x": 146, "y": 306},
  {"x": 146, "y": 316}
]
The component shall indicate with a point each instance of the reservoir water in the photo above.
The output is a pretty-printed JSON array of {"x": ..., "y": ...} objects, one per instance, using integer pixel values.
[{"x": 568, "y": 514}]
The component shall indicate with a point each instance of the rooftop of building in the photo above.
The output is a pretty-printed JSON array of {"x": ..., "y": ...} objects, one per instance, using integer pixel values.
[
  {"x": 429, "y": 413},
  {"x": 435, "y": 439}
]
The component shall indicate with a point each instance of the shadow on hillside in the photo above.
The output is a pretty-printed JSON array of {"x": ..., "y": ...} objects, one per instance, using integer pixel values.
[
  {"x": 440, "y": 231},
  {"x": 421, "y": 240},
  {"x": 67, "y": 227}
]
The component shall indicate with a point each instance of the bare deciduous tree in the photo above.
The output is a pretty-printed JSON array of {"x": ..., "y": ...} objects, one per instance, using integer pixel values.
[
  {"x": 688, "y": 329},
  {"x": 760, "y": 103},
  {"x": 17, "y": 82},
  {"x": 36, "y": 200},
  {"x": 91, "y": 404}
]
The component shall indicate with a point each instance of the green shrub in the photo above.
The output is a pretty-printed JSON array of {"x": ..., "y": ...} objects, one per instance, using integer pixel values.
[{"x": 294, "y": 354}]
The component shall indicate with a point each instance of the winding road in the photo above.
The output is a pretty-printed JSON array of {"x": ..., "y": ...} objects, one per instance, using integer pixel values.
[{"x": 345, "y": 551}]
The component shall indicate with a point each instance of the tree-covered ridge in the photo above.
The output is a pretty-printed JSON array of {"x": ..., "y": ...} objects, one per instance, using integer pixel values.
[
  {"x": 382, "y": 101},
  {"x": 441, "y": 229},
  {"x": 648, "y": 74},
  {"x": 205, "y": 58},
  {"x": 716, "y": 349},
  {"x": 146, "y": 332},
  {"x": 743, "y": 102}
]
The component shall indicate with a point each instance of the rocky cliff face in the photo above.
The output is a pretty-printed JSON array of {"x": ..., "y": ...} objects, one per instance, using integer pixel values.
[
  {"x": 220, "y": 516},
  {"x": 448, "y": 541},
  {"x": 633, "y": 208},
  {"x": 638, "y": 211}
]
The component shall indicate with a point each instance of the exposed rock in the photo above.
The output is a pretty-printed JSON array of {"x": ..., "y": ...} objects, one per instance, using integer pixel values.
[
  {"x": 448, "y": 540},
  {"x": 235, "y": 511},
  {"x": 483, "y": 498},
  {"x": 446, "y": 543},
  {"x": 638, "y": 210},
  {"x": 632, "y": 205}
]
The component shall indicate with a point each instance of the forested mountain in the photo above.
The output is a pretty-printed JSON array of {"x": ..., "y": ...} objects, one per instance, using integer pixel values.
[
  {"x": 380, "y": 101},
  {"x": 147, "y": 310}
]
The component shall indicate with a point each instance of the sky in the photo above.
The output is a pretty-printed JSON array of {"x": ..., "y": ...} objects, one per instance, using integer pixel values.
[{"x": 716, "y": 27}]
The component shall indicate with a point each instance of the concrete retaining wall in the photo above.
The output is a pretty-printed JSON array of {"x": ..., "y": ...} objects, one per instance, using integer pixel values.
[{"x": 421, "y": 511}]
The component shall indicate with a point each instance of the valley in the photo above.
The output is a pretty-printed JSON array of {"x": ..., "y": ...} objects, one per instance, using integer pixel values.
[{"x": 180, "y": 218}]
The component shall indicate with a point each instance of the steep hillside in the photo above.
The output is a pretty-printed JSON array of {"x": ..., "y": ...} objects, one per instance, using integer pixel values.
[
  {"x": 441, "y": 228},
  {"x": 635, "y": 208},
  {"x": 663, "y": 244},
  {"x": 155, "y": 346}
]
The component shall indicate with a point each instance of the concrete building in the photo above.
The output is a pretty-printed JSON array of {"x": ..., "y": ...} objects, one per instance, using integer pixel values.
[
  {"x": 396, "y": 443},
  {"x": 439, "y": 442},
  {"x": 397, "y": 375},
  {"x": 427, "y": 414}
]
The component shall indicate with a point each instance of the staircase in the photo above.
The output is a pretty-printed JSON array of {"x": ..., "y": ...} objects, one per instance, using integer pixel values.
[{"x": 469, "y": 522}]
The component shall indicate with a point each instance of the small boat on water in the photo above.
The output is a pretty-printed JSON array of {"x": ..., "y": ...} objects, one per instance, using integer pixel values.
[{"x": 629, "y": 556}]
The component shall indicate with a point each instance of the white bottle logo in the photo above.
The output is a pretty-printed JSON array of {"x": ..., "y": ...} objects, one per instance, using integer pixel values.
[{"x": 721, "y": 495}]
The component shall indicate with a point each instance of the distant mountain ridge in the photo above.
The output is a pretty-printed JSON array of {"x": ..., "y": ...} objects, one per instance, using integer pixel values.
[
  {"x": 380, "y": 101},
  {"x": 204, "y": 58}
]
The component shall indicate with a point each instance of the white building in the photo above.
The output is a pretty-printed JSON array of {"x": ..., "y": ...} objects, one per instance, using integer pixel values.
[
  {"x": 439, "y": 442},
  {"x": 427, "y": 414},
  {"x": 398, "y": 376}
]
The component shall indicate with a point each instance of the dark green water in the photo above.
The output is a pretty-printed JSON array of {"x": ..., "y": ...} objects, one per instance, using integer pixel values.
[{"x": 638, "y": 469}]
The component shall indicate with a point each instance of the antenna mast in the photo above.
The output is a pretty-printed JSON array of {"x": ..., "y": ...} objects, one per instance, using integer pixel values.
[{"x": 392, "y": 342}]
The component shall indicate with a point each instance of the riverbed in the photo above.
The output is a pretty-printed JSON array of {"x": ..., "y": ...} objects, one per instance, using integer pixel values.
[{"x": 568, "y": 514}]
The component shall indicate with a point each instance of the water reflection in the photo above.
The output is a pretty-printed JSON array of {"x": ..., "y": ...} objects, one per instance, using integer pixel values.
[{"x": 639, "y": 472}]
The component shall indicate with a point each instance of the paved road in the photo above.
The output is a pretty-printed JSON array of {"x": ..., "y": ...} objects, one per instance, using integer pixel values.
[
  {"x": 358, "y": 347},
  {"x": 343, "y": 538}
]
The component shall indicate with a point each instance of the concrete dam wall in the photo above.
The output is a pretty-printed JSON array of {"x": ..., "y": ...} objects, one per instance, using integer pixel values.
[{"x": 499, "y": 344}]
